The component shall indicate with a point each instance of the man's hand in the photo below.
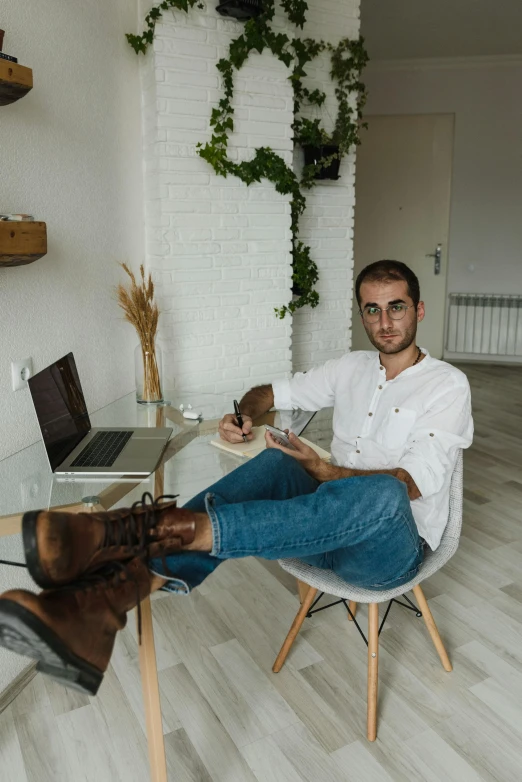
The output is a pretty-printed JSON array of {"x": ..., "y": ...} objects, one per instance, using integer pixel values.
[
  {"x": 255, "y": 402},
  {"x": 302, "y": 453},
  {"x": 230, "y": 431},
  {"x": 322, "y": 471}
]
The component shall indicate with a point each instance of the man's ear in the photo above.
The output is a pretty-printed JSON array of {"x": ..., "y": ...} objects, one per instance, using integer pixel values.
[{"x": 420, "y": 311}]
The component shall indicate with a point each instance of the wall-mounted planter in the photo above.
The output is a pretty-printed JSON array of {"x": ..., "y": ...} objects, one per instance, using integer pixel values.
[
  {"x": 240, "y": 9},
  {"x": 22, "y": 242},
  {"x": 314, "y": 154},
  {"x": 15, "y": 81}
]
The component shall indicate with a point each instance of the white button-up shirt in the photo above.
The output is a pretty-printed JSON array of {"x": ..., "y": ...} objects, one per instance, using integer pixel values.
[{"x": 417, "y": 421}]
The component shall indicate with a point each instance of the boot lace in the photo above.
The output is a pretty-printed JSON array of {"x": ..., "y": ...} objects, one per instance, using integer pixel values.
[
  {"x": 133, "y": 530},
  {"x": 129, "y": 531}
]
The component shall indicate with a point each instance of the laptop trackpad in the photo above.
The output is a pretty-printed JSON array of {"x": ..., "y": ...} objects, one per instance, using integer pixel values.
[{"x": 140, "y": 455}]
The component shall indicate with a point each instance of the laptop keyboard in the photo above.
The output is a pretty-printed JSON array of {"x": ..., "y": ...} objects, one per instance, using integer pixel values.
[{"x": 103, "y": 449}]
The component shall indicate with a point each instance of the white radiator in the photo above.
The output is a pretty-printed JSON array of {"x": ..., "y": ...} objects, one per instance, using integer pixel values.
[{"x": 485, "y": 324}]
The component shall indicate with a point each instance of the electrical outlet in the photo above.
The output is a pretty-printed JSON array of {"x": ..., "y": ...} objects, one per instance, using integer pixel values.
[
  {"x": 21, "y": 371},
  {"x": 32, "y": 491}
]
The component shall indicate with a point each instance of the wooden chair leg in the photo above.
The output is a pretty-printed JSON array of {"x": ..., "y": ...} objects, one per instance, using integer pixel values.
[
  {"x": 373, "y": 669},
  {"x": 302, "y": 589},
  {"x": 296, "y": 626},
  {"x": 352, "y": 605},
  {"x": 432, "y": 628}
]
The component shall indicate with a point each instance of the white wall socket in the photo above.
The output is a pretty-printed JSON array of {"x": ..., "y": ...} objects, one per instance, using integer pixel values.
[{"x": 21, "y": 371}]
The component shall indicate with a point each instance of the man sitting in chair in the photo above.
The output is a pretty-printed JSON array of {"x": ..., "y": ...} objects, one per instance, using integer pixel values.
[{"x": 400, "y": 418}]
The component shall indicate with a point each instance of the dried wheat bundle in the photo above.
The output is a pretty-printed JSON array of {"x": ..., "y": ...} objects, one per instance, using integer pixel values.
[{"x": 142, "y": 312}]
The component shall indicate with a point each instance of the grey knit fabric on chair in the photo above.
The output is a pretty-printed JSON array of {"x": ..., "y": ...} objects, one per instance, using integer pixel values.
[{"x": 327, "y": 581}]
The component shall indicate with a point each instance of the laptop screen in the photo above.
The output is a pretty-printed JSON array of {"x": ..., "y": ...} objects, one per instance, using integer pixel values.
[{"x": 60, "y": 408}]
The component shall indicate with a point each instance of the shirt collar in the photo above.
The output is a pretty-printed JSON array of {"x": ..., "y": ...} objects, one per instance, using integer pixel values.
[{"x": 409, "y": 370}]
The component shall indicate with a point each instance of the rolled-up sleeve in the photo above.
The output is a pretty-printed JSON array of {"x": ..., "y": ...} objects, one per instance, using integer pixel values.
[
  {"x": 312, "y": 390},
  {"x": 436, "y": 438}
]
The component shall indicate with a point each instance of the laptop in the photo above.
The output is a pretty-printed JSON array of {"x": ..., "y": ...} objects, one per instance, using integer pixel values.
[{"x": 73, "y": 446}]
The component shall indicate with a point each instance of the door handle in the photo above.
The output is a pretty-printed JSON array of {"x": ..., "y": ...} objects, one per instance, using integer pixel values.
[{"x": 437, "y": 255}]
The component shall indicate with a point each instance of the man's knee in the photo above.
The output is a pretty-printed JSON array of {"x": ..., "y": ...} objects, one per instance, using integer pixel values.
[
  {"x": 273, "y": 456},
  {"x": 393, "y": 493},
  {"x": 276, "y": 461}
]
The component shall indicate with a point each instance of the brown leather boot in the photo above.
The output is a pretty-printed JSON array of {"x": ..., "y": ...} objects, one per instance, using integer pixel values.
[
  {"x": 60, "y": 547},
  {"x": 71, "y": 631}
]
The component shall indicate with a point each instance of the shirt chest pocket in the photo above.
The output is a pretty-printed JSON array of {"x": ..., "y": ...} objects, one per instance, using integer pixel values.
[{"x": 396, "y": 427}]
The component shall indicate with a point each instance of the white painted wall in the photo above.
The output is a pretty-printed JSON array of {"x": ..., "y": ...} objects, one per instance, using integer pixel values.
[
  {"x": 70, "y": 153},
  {"x": 485, "y": 247},
  {"x": 219, "y": 250}
]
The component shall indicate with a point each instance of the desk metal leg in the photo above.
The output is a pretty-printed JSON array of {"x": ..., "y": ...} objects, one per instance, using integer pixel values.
[{"x": 151, "y": 696}]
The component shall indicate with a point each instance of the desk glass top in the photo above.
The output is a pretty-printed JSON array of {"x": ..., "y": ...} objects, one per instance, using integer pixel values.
[{"x": 189, "y": 463}]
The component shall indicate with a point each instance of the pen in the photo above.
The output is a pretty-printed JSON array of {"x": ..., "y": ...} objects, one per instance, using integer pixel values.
[{"x": 239, "y": 417}]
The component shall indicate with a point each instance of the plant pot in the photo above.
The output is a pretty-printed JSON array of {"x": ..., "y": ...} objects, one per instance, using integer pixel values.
[
  {"x": 240, "y": 9},
  {"x": 313, "y": 155},
  {"x": 297, "y": 290}
]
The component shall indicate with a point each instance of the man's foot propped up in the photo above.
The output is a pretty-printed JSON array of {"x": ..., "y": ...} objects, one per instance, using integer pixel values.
[
  {"x": 61, "y": 547},
  {"x": 71, "y": 631}
]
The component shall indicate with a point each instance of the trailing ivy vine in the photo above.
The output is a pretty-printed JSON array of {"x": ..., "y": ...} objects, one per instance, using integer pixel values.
[{"x": 348, "y": 59}]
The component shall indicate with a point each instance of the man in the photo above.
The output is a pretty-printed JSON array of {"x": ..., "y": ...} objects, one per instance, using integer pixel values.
[{"x": 400, "y": 418}]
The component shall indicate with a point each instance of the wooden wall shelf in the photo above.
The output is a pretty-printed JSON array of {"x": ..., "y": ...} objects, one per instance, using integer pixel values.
[
  {"x": 22, "y": 242},
  {"x": 15, "y": 81}
]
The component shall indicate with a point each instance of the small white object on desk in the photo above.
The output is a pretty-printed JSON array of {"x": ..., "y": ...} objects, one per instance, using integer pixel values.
[{"x": 191, "y": 414}]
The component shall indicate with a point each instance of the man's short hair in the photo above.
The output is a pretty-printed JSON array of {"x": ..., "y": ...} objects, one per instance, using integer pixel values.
[{"x": 389, "y": 271}]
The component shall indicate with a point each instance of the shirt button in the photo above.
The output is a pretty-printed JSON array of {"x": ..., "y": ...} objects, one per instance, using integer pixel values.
[
  {"x": 381, "y": 367},
  {"x": 431, "y": 434},
  {"x": 380, "y": 388},
  {"x": 396, "y": 409},
  {"x": 370, "y": 413},
  {"x": 357, "y": 452}
]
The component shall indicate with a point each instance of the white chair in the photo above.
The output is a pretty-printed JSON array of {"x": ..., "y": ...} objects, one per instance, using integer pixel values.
[{"x": 325, "y": 580}]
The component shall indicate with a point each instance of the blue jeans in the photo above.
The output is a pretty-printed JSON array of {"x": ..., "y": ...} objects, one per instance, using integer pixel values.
[{"x": 270, "y": 507}]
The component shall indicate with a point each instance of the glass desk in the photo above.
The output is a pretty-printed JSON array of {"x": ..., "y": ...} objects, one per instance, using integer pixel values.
[{"x": 189, "y": 464}]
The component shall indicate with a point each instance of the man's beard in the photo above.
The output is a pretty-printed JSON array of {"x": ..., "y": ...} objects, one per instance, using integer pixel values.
[{"x": 389, "y": 347}]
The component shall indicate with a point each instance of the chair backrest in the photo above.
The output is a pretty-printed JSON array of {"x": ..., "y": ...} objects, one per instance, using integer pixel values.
[{"x": 451, "y": 535}]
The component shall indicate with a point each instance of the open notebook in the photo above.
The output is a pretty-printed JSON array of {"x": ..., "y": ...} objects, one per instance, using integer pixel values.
[{"x": 254, "y": 447}]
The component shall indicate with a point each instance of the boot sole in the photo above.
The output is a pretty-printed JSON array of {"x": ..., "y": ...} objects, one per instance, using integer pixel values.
[
  {"x": 32, "y": 557},
  {"x": 24, "y": 633}
]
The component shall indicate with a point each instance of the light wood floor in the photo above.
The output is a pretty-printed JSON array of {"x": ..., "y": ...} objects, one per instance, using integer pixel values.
[{"x": 228, "y": 718}]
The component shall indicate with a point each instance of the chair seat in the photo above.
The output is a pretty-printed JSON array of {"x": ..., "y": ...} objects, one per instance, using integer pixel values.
[{"x": 327, "y": 581}]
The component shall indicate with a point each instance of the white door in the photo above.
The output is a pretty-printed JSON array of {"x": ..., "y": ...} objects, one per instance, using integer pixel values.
[{"x": 402, "y": 203}]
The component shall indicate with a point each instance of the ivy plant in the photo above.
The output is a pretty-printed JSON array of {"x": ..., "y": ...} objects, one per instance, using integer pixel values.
[{"x": 348, "y": 58}]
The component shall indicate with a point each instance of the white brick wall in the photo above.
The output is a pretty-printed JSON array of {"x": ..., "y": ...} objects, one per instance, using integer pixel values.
[
  {"x": 327, "y": 225},
  {"x": 219, "y": 251}
]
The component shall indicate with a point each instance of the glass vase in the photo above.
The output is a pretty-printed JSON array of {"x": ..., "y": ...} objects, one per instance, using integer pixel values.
[{"x": 149, "y": 374}]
